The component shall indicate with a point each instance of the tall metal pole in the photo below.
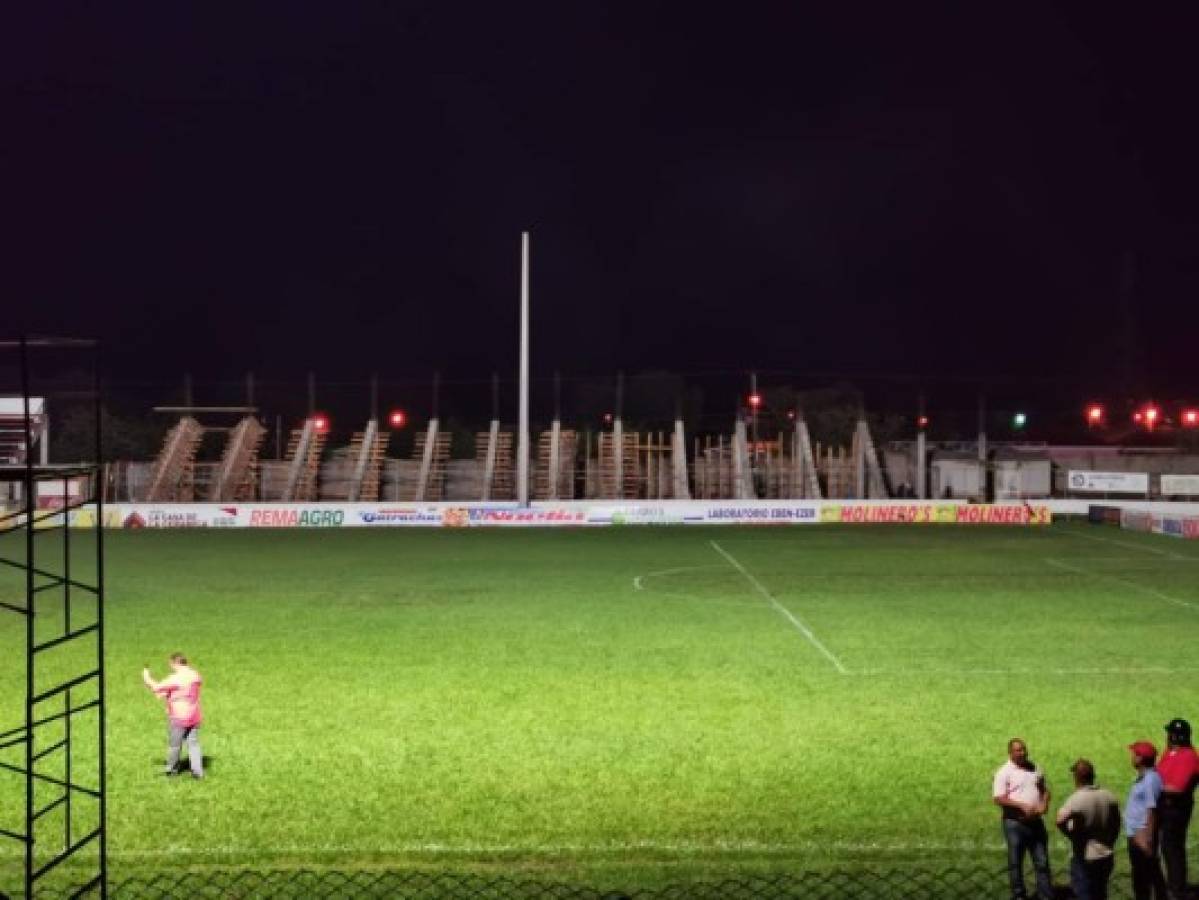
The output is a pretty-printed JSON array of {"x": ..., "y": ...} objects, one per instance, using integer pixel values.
[
  {"x": 920, "y": 460},
  {"x": 522, "y": 442}
]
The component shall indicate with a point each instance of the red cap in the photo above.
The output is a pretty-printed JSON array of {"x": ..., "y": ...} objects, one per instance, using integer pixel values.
[{"x": 1144, "y": 748}]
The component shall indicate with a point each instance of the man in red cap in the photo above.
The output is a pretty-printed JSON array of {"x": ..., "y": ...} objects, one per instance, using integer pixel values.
[
  {"x": 1141, "y": 825},
  {"x": 1179, "y": 771}
]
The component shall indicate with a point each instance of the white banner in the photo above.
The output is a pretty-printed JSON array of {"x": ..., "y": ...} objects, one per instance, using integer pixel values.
[
  {"x": 1180, "y": 485},
  {"x": 564, "y": 513},
  {"x": 1109, "y": 482}
]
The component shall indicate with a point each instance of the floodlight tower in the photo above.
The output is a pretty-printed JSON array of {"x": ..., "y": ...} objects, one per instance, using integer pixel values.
[{"x": 52, "y": 726}]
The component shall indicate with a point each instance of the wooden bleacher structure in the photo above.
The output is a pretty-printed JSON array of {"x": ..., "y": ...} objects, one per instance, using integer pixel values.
[
  {"x": 172, "y": 480},
  {"x": 305, "y": 447},
  {"x": 237, "y": 474},
  {"x": 494, "y": 453},
  {"x": 368, "y": 449},
  {"x": 554, "y": 468}
]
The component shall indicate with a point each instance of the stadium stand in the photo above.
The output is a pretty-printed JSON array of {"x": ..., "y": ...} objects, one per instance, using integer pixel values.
[
  {"x": 493, "y": 451},
  {"x": 553, "y": 473},
  {"x": 173, "y": 477},
  {"x": 432, "y": 448},
  {"x": 619, "y": 477},
  {"x": 236, "y": 477},
  {"x": 304, "y": 450},
  {"x": 368, "y": 449}
]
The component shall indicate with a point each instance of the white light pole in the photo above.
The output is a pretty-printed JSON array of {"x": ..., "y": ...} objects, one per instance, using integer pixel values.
[{"x": 522, "y": 437}]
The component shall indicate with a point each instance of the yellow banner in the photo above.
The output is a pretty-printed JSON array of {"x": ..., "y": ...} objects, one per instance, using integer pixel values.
[{"x": 937, "y": 513}]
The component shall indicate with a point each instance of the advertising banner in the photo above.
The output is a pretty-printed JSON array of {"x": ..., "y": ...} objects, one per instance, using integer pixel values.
[
  {"x": 1108, "y": 482},
  {"x": 1152, "y": 521},
  {"x": 1180, "y": 485},
  {"x": 557, "y": 514},
  {"x": 937, "y": 513}
]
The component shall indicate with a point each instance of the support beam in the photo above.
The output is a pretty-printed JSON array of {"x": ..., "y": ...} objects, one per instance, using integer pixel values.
[{"x": 680, "y": 489}]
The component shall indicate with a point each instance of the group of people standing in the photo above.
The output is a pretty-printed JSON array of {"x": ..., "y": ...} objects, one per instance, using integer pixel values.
[{"x": 1156, "y": 816}]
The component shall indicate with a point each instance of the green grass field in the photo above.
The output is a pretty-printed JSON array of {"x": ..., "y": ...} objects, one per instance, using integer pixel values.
[{"x": 624, "y": 706}]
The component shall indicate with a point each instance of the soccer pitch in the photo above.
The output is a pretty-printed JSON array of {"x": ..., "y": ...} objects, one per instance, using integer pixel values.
[{"x": 626, "y": 706}]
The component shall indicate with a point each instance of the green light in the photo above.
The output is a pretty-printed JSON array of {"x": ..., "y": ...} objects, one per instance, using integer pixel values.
[{"x": 1019, "y": 420}]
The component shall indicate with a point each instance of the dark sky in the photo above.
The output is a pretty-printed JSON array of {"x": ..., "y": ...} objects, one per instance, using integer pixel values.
[{"x": 785, "y": 186}]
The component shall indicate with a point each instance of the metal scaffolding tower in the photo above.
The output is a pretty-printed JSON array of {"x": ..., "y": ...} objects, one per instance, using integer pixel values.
[{"x": 52, "y": 713}]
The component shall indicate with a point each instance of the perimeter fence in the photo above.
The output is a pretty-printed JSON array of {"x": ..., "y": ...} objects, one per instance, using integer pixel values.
[{"x": 841, "y": 884}]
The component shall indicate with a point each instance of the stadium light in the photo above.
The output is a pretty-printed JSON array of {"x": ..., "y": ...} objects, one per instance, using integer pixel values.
[
  {"x": 1094, "y": 415},
  {"x": 1190, "y": 418},
  {"x": 1019, "y": 420},
  {"x": 320, "y": 422},
  {"x": 397, "y": 418}
]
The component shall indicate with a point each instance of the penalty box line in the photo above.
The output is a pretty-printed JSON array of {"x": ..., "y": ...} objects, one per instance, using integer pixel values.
[
  {"x": 1103, "y": 576},
  {"x": 791, "y": 617}
]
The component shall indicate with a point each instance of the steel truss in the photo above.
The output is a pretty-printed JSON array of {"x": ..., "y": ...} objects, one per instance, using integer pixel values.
[{"x": 58, "y": 750}]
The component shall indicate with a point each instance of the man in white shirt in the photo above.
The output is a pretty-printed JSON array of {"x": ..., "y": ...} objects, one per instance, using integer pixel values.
[{"x": 1019, "y": 790}]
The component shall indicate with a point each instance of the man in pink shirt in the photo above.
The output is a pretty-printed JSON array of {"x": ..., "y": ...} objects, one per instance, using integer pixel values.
[{"x": 181, "y": 692}]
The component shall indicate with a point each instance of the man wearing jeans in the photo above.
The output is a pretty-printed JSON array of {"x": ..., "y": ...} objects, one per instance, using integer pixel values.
[
  {"x": 1020, "y": 791},
  {"x": 1141, "y": 824},
  {"x": 181, "y": 692},
  {"x": 1090, "y": 818}
]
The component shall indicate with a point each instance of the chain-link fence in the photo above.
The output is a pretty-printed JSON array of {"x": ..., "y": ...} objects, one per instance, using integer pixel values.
[{"x": 837, "y": 884}]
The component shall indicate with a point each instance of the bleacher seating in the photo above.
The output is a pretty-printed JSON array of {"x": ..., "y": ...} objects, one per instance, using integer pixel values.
[
  {"x": 237, "y": 475},
  {"x": 173, "y": 478}
]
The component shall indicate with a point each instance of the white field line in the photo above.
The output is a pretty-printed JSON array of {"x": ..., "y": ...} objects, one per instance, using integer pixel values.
[
  {"x": 639, "y": 581},
  {"x": 1132, "y": 584},
  {"x": 803, "y": 629},
  {"x": 1128, "y": 544},
  {"x": 1030, "y": 672}
]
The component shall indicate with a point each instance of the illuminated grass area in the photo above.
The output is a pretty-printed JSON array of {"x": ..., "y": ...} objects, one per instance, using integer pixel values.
[{"x": 626, "y": 706}]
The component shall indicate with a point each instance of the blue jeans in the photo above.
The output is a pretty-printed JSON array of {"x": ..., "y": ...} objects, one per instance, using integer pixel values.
[
  {"x": 1027, "y": 836},
  {"x": 1089, "y": 878}
]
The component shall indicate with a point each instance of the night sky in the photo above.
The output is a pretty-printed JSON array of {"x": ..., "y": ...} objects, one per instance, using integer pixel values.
[{"x": 795, "y": 187}]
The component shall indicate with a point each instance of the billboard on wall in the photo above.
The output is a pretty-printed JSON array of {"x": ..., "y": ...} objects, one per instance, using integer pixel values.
[
  {"x": 1108, "y": 482},
  {"x": 1180, "y": 485},
  {"x": 1151, "y": 521},
  {"x": 582, "y": 513},
  {"x": 936, "y": 513}
]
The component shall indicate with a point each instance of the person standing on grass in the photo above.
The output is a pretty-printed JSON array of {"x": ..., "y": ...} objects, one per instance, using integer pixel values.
[
  {"x": 1141, "y": 825},
  {"x": 1020, "y": 791},
  {"x": 1090, "y": 818},
  {"x": 1179, "y": 771},
  {"x": 181, "y": 692}
]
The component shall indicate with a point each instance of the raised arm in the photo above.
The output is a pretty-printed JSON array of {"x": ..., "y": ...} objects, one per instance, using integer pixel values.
[{"x": 148, "y": 680}]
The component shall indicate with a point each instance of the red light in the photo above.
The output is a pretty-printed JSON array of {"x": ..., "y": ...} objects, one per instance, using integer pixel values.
[
  {"x": 791, "y": 414},
  {"x": 1095, "y": 414},
  {"x": 1151, "y": 414},
  {"x": 320, "y": 423},
  {"x": 755, "y": 400},
  {"x": 922, "y": 422},
  {"x": 397, "y": 418},
  {"x": 607, "y": 418},
  {"x": 1190, "y": 417}
]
